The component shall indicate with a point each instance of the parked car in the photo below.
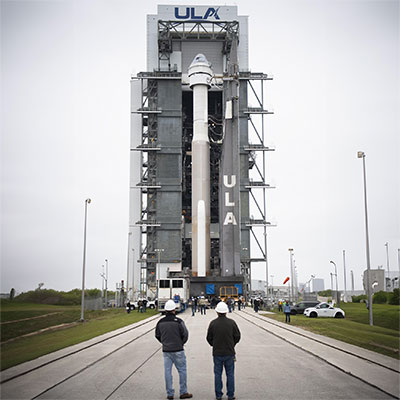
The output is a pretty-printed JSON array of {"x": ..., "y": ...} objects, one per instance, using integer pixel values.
[
  {"x": 324, "y": 310},
  {"x": 300, "y": 307}
]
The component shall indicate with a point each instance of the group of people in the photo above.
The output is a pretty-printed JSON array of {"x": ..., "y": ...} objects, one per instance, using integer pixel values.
[
  {"x": 222, "y": 335},
  {"x": 257, "y": 303},
  {"x": 141, "y": 306},
  {"x": 201, "y": 303}
]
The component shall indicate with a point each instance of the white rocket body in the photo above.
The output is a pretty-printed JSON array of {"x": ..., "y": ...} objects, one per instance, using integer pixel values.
[{"x": 200, "y": 75}]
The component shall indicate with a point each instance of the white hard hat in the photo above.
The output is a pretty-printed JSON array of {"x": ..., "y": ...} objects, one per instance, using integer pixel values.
[
  {"x": 221, "y": 308},
  {"x": 170, "y": 305}
]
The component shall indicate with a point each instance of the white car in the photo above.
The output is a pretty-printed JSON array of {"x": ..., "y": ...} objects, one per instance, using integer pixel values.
[{"x": 324, "y": 310}]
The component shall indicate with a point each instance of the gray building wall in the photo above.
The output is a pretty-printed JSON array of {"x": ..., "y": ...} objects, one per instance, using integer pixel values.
[
  {"x": 318, "y": 285},
  {"x": 375, "y": 275}
]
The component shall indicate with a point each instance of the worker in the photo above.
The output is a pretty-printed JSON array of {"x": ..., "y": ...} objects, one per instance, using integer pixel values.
[
  {"x": 287, "y": 311},
  {"x": 223, "y": 334},
  {"x": 172, "y": 333}
]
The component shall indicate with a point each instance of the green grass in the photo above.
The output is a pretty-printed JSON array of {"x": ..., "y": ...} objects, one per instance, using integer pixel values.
[
  {"x": 29, "y": 348},
  {"x": 59, "y": 315},
  {"x": 384, "y": 315},
  {"x": 355, "y": 329}
]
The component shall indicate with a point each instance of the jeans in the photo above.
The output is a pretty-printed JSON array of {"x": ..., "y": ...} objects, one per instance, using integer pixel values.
[
  {"x": 177, "y": 358},
  {"x": 229, "y": 363},
  {"x": 203, "y": 310},
  {"x": 287, "y": 316}
]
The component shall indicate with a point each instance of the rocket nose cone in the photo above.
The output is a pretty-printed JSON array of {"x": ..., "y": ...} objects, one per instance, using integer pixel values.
[{"x": 200, "y": 59}]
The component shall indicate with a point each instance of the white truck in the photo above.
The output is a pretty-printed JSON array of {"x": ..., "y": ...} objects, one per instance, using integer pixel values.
[{"x": 176, "y": 289}]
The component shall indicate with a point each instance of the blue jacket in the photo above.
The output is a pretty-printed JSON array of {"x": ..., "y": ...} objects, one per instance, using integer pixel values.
[{"x": 286, "y": 308}]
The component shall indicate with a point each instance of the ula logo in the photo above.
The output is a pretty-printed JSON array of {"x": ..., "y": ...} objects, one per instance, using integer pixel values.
[{"x": 190, "y": 13}]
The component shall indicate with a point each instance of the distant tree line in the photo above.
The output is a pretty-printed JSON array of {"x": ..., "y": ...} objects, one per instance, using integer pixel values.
[
  {"x": 378, "y": 298},
  {"x": 381, "y": 297},
  {"x": 55, "y": 297},
  {"x": 325, "y": 293}
]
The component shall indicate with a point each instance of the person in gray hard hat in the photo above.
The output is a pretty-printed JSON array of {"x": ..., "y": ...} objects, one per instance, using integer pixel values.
[
  {"x": 172, "y": 333},
  {"x": 223, "y": 334}
]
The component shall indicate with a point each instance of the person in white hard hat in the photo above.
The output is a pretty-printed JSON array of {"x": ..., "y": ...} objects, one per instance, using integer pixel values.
[
  {"x": 223, "y": 334},
  {"x": 172, "y": 333}
]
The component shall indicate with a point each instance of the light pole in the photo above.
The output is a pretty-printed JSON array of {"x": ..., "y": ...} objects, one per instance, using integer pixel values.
[
  {"x": 361, "y": 154},
  {"x": 133, "y": 273},
  {"x": 331, "y": 281},
  {"x": 398, "y": 260},
  {"x": 352, "y": 281},
  {"x": 387, "y": 265},
  {"x": 337, "y": 296},
  {"x": 272, "y": 286},
  {"x": 247, "y": 273},
  {"x": 159, "y": 251},
  {"x": 106, "y": 281},
  {"x": 87, "y": 201},
  {"x": 127, "y": 265},
  {"x": 102, "y": 284},
  {"x": 344, "y": 275},
  {"x": 291, "y": 292},
  {"x": 309, "y": 284}
]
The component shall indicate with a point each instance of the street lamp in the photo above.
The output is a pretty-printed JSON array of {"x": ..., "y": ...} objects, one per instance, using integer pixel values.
[
  {"x": 352, "y": 281},
  {"x": 398, "y": 260},
  {"x": 337, "y": 297},
  {"x": 127, "y": 265},
  {"x": 106, "y": 281},
  {"x": 159, "y": 251},
  {"x": 102, "y": 284},
  {"x": 133, "y": 273},
  {"x": 87, "y": 201},
  {"x": 291, "y": 292},
  {"x": 272, "y": 286},
  {"x": 344, "y": 275},
  {"x": 361, "y": 154},
  {"x": 387, "y": 265}
]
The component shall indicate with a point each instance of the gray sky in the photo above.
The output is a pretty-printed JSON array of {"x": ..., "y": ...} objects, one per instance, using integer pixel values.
[{"x": 65, "y": 72}]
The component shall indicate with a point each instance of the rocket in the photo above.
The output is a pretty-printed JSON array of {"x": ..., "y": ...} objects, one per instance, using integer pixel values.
[{"x": 200, "y": 75}]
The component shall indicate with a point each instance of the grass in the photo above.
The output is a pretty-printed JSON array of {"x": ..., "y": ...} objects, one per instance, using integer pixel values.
[
  {"x": 28, "y": 348},
  {"x": 384, "y": 315},
  {"x": 382, "y": 338}
]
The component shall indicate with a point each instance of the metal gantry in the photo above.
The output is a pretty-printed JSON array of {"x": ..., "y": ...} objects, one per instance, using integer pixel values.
[
  {"x": 169, "y": 31},
  {"x": 225, "y": 32},
  {"x": 257, "y": 132}
]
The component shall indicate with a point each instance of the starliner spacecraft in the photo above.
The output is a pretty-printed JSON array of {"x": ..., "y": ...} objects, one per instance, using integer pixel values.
[{"x": 198, "y": 156}]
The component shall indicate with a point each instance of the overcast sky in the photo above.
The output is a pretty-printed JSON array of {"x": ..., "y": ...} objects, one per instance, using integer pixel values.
[{"x": 65, "y": 134}]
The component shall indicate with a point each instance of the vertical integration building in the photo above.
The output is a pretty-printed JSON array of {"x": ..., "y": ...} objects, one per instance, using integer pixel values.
[{"x": 198, "y": 153}]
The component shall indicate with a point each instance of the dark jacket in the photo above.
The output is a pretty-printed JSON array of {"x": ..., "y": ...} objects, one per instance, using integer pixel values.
[
  {"x": 222, "y": 335},
  {"x": 172, "y": 333}
]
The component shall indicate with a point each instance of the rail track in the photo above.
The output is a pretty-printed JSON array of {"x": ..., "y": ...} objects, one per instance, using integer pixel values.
[
  {"x": 151, "y": 322},
  {"x": 148, "y": 326},
  {"x": 81, "y": 349},
  {"x": 266, "y": 324}
]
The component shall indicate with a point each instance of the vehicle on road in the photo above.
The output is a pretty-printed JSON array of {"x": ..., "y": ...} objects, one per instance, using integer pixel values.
[
  {"x": 324, "y": 310},
  {"x": 173, "y": 288},
  {"x": 150, "y": 304},
  {"x": 299, "y": 308}
]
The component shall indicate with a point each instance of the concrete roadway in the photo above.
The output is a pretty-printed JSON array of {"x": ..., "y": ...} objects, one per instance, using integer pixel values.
[{"x": 267, "y": 368}]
